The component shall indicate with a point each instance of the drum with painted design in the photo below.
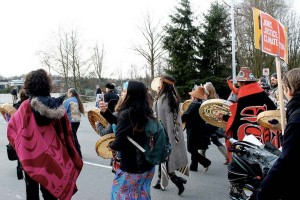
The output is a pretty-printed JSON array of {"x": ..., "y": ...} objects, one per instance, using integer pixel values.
[{"x": 212, "y": 109}]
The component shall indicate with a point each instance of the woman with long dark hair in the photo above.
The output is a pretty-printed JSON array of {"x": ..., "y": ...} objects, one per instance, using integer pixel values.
[
  {"x": 166, "y": 108},
  {"x": 133, "y": 178},
  {"x": 75, "y": 109}
]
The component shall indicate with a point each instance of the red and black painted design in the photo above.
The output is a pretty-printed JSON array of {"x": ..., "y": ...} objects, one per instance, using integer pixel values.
[
  {"x": 252, "y": 100},
  {"x": 250, "y": 126}
]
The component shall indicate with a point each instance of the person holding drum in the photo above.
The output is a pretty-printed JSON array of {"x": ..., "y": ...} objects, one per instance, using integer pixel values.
[
  {"x": 278, "y": 183},
  {"x": 133, "y": 178},
  {"x": 197, "y": 130},
  {"x": 111, "y": 128},
  {"x": 252, "y": 100},
  {"x": 214, "y": 137}
]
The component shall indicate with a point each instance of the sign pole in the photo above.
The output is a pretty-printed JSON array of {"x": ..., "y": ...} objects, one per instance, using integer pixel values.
[{"x": 281, "y": 104}]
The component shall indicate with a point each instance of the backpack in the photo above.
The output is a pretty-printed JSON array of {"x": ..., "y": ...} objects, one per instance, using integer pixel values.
[{"x": 157, "y": 146}]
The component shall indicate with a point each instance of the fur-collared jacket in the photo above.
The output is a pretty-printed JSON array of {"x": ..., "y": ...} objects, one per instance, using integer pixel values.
[{"x": 41, "y": 134}]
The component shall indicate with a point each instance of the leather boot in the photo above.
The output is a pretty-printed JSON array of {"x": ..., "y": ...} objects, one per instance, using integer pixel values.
[
  {"x": 223, "y": 150},
  {"x": 179, "y": 181},
  {"x": 157, "y": 185}
]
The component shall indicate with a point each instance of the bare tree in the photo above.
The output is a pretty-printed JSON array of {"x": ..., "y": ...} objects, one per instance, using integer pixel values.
[
  {"x": 56, "y": 58},
  {"x": 134, "y": 72},
  {"x": 293, "y": 24},
  {"x": 97, "y": 60},
  {"x": 66, "y": 59},
  {"x": 247, "y": 55},
  {"x": 152, "y": 50},
  {"x": 160, "y": 66},
  {"x": 120, "y": 74}
]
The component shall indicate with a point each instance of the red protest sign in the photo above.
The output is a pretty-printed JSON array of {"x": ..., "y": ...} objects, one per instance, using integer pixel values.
[{"x": 270, "y": 35}]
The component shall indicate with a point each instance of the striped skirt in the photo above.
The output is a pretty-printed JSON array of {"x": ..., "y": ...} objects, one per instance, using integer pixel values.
[{"x": 127, "y": 186}]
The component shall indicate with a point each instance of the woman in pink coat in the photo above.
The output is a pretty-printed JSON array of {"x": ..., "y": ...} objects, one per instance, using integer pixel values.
[{"x": 41, "y": 134}]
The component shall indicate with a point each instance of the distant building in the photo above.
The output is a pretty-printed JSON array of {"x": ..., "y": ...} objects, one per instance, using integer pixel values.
[
  {"x": 17, "y": 83},
  {"x": 4, "y": 84}
]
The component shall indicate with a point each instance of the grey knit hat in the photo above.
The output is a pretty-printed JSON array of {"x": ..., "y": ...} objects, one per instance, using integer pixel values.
[{"x": 274, "y": 75}]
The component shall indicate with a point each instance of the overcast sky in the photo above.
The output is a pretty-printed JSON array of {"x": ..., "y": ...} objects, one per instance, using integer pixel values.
[{"x": 27, "y": 27}]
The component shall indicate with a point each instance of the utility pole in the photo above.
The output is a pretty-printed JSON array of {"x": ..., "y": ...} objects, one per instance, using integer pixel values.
[{"x": 233, "y": 42}]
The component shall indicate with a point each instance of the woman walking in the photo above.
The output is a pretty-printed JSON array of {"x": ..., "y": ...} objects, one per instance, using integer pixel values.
[
  {"x": 133, "y": 179},
  {"x": 166, "y": 108},
  {"x": 74, "y": 108},
  {"x": 40, "y": 133},
  {"x": 197, "y": 131}
]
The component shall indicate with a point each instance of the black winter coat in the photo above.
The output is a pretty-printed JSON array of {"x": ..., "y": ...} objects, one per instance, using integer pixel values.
[
  {"x": 111, "y": 98},
  {"x": 282, "y": 181},
  {"x": 196, "y": 129},
  {"x": 132, "y": 159}
]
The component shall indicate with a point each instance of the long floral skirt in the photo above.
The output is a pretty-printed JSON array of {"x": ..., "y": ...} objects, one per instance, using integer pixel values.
[{"x": 127, "y": 186}]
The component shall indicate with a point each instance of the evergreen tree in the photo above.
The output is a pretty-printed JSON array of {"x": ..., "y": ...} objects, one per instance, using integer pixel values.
[
  {"x": 215, "y": 48},
  {"x": 180, "y": 42}
]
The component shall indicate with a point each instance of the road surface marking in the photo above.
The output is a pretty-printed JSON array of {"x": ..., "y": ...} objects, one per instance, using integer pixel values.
[{"x": 98, "y": 165}]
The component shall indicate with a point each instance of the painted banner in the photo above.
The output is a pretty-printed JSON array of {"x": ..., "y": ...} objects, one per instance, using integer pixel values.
[{"x": 270, "y": 36}]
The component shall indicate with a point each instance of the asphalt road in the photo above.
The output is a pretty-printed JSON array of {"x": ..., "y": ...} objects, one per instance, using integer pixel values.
[{"x": 95, "y": 180}]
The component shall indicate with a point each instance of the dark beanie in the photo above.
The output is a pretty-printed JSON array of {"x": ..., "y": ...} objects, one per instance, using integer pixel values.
[
  {"x": 110, "y": 86},
  {"x": 274, "y": 75},
  {"x": 263, "y": 79}
]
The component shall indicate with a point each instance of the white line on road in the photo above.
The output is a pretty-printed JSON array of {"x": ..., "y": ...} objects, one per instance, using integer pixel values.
[{"x": 104, "y": 166}]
